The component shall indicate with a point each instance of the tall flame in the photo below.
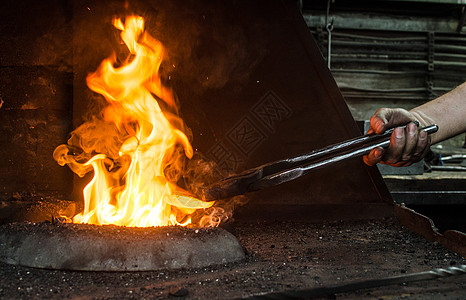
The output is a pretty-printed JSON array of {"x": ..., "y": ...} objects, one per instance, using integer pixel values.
[{"x": 129, "y": 186}]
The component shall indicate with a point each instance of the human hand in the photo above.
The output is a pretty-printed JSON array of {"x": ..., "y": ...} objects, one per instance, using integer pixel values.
[{"x": 407, "y": 145}]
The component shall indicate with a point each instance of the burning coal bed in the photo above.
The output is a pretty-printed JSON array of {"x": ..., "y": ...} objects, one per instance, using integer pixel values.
[{"x": 114, "y": 248}]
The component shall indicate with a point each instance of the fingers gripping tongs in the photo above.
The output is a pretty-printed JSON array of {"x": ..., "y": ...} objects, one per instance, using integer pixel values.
[{"x": 285, "y": 170}]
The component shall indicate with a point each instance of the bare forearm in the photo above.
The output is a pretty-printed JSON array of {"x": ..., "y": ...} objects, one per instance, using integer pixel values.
[{"x": 447, "y": 111}]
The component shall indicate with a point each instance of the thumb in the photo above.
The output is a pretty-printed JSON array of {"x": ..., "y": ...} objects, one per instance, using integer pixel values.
[{"x": 380, "y": 120}]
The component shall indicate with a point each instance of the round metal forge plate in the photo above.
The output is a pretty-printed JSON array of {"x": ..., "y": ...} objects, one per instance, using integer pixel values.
[{"x": 113, "y": 248}]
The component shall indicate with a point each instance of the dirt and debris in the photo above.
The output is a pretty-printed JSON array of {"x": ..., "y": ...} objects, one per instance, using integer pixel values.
[{"x": 279, "y": 256}]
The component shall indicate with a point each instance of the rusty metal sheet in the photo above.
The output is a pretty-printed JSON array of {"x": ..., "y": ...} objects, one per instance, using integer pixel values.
[{"x": 451, "y": 239}]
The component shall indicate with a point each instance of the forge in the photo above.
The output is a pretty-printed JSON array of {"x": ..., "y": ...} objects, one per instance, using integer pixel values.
[
  {"x": 115, "y": 248},
  {"x": 239, "y": 84}
]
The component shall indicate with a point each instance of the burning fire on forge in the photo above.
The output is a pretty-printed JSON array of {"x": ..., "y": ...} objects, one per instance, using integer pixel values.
[{"x": 134, "y": 143}]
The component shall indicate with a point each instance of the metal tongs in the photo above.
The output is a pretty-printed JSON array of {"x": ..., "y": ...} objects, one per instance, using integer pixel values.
[{"x": 285, "y": 170}]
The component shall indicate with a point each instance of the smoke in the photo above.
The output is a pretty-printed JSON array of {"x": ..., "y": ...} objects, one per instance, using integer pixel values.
[{"x": 207, "y": 44}]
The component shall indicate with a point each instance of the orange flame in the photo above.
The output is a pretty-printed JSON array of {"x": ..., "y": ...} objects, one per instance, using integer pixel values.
[{"x": 129, "y": 186}]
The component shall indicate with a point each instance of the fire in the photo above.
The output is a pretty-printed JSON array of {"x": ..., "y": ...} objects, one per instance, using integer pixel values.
[{"x": 131, "y": 148}]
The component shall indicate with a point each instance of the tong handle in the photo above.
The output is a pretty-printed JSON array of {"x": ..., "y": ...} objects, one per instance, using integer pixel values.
[
  {"x": 294, "y": 173},
  {"x": 357, "y": 142}
]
